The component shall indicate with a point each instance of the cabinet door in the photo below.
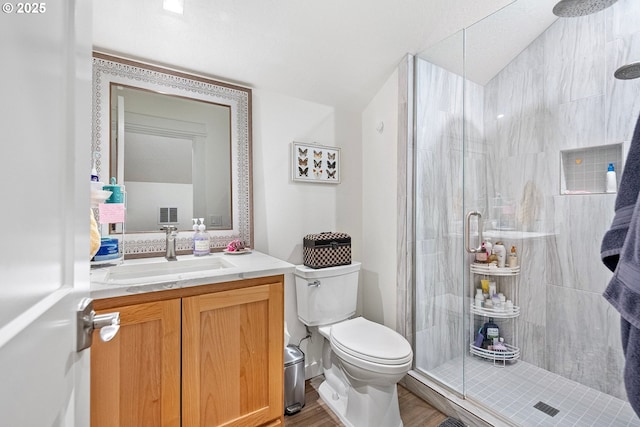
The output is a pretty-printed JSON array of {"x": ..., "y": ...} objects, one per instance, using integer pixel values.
[
  {"x": 135, "y": 378},
  {"x": 232, "y": 357}
]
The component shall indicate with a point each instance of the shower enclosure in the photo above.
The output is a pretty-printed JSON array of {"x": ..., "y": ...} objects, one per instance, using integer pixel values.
[{"x": 524, "y": 136}]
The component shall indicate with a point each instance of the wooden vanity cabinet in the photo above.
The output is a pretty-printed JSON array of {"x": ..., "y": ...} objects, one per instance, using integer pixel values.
[
  {"x": 210, "y": 355},
  {"x": 135, "y": 378}
]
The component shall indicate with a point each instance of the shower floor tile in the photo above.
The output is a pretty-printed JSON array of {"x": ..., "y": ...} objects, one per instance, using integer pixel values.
[{"x": 513, "y": 390}]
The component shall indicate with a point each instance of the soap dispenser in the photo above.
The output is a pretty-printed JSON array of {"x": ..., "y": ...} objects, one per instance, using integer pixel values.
[{"x": 201, "y": 240}]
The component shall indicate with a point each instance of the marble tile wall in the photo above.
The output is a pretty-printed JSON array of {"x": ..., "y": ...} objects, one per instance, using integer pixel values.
[{"x": 558, "y": 94}]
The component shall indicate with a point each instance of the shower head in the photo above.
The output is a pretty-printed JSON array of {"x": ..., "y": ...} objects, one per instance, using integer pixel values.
[
  {"x": 575, "y": 8},
  {"x": 628, "y": 71}
]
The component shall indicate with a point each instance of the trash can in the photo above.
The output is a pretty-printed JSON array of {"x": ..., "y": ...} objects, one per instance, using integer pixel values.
[{"x": 293, "y": 379}]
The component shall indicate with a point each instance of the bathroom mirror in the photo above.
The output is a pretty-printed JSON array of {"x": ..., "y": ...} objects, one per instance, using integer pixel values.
[{"x": 181, "y": 145}]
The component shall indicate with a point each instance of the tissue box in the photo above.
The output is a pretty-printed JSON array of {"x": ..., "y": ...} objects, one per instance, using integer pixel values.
[{"x": 326, "y": 249}]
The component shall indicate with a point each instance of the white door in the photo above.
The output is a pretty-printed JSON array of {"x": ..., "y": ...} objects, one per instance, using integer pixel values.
[{"x": 45, "y": 134}]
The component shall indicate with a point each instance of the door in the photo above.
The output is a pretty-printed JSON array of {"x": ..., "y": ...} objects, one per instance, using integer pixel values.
[{"x": 44, "y": 269}]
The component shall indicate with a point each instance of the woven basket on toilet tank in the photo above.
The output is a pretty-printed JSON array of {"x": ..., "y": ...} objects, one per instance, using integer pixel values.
[{"x": 326, "y": 249}]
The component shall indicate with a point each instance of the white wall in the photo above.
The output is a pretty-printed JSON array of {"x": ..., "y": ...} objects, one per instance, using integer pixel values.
[
  {"x": 379, "y": 205},
  {"x": 285, "y": 211},
  {"x": 362, "y": 205}
]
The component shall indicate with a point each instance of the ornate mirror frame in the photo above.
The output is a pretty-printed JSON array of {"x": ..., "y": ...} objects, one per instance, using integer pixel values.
[{"x": 109, "y": 69}]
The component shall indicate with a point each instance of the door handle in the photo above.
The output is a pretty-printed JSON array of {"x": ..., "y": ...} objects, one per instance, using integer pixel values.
[
  {"x": 87, "y": 321},
  {"x": 467, "y": 233}
]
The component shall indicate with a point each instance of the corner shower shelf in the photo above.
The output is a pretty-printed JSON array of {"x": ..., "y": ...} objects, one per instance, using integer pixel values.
[
  {"x": 492, "y": 270},
  {"x": 495, "y": 313},
  {"x": 506, "y": 278},
  {"x": 512, "y": 353}
]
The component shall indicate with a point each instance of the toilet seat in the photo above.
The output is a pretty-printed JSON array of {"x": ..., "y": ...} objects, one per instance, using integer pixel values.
[{"x": 371, "y": 345}]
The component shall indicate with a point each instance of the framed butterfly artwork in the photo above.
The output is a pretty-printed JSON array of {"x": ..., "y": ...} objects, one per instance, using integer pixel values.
[{"x": 315, "y": 163}]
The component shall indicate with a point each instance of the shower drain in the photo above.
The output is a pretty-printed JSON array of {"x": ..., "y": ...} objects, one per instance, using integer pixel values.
[{"x": 547, "y": 409}]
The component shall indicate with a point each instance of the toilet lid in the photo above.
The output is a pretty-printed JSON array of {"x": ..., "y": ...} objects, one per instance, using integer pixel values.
[{"x": 371, "y": 341}]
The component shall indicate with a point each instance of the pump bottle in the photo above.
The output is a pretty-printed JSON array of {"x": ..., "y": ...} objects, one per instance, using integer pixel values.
[{"x": 200, "y": 239}]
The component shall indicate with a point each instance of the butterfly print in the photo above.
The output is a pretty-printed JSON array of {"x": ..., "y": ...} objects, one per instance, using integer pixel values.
[
  {"x": 317, "y": 163},
  {"x": 331, "y": 174},
  {"x": 317, "y": 154},
  {"x": 302, "y": 153},
  {"x": 331, "y": 156},
  {"x": 302, "y": 162},
  {"x": 303, "y": 172},
  {"x": 331, "y": 165},
  {"x": 317, "y": 172}
]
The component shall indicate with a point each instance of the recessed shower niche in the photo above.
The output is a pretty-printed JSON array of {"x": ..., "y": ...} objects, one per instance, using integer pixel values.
[{"x": 584, "y": 170}]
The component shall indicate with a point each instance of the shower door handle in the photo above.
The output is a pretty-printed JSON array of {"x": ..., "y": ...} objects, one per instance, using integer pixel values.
[{"x": 467, "y": 234}]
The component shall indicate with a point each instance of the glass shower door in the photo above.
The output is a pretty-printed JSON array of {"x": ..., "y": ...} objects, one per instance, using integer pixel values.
[{"x": 439, "y": 312}]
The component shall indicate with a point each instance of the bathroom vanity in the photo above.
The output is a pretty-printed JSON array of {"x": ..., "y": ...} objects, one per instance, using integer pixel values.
[{"x": 200, "y": 343}]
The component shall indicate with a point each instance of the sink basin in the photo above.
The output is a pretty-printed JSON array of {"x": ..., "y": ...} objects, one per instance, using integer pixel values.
[{"x": 161, "y": 271}]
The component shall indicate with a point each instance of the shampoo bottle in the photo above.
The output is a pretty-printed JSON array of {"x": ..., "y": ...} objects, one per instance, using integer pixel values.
[
  {"x": 491, "y": 331},
  {"x": 611, "y": 179}
]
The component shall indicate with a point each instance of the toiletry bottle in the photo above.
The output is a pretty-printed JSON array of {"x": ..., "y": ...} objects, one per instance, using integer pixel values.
[
  {"x": 479, "y": 338},
  {"x": 611, "y": 179},
  {"x": 479, "y": 298},
  {"x": 499, "y": 346},
  {"x": 490, "y": 331},
  {"x": 485, "y": 286},
  {"x": 501, "y": 253},
  {"x": 503, "y": 302},
  {"x": 488, "y": 246},
  {"x": 493, "y": 288},
  {"x": 195, "y": 233},
  {"x": 201, "y": 240},
  {"x": 513, "y": 258},
  {"x": 497, "y": 305},
  {"x": 508, "y": 306},
  {"x": 482, "y": 255},
  {"x": 94, "y": 175}
]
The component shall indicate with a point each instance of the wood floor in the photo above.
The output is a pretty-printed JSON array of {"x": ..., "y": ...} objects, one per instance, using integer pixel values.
[{"x": 414, "y": 411}]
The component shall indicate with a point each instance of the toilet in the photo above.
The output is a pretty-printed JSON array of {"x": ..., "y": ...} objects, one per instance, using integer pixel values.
[{"x": 362, "y": 360}]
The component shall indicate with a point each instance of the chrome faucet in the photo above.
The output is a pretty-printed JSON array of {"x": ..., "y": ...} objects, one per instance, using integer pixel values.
[{"x": 170, "y": 255}]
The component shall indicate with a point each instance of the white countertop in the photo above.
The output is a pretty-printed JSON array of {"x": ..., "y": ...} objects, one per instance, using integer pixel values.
[{"x": 237, "y": 267}]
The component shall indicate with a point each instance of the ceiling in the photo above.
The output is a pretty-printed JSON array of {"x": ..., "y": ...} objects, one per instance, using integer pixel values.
[{"x": 333, "y": 52}]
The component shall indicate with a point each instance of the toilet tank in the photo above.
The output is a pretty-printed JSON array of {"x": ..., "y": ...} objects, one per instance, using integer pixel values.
[{"x": 326, "y": 295}]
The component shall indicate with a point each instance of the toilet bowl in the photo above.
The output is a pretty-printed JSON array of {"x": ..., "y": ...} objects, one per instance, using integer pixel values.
[
  {"x": 362, "y": 360},
  {"x": 372, "y": 358}
]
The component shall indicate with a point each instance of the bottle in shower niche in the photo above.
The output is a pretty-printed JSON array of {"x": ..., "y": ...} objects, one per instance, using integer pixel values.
[{"x": 611, "y": 179}]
